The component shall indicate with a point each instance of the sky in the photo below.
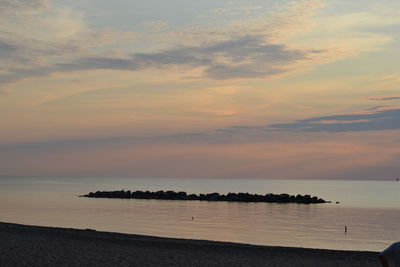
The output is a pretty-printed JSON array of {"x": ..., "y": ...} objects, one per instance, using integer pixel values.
[{"x": 300, "y": 89}]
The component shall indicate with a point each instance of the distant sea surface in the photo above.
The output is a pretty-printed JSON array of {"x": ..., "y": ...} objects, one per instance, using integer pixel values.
[{"x": 369, "y": 209}]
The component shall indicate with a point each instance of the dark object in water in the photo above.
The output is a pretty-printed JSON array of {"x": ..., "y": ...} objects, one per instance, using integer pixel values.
[{"x": 230, "y": 197}]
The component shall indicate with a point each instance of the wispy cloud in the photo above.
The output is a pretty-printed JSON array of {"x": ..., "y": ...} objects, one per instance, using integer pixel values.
[
  {"x": 370, "y": 120},
  {"x": 21, "y": 5},
  {"x": 244, "y": 57},
  {"x": 314, "y": 155},
  {"x": 385, "y": 98},
  {"x": 59, "y": 40},
  {"x": 388, "y": 119},
  {"x": 245, "y": 49},
  {"x": 379, "y": 120},
  {"x": 36, "y": 36}
]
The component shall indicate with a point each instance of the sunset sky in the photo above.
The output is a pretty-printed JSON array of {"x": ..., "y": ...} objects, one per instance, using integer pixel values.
[{"x": 178, "y": 88}]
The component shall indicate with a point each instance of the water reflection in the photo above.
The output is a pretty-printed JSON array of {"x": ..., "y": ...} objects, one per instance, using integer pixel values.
[{"x": 317, "y": 226}]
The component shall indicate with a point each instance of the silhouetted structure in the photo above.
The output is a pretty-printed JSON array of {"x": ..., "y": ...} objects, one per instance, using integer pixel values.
[
  {"x": 390, "y": 257},
  {"x": 230, "y": 197}
]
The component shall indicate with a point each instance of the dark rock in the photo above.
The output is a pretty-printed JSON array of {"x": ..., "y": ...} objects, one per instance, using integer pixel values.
[{"x": 230, "y": 197}]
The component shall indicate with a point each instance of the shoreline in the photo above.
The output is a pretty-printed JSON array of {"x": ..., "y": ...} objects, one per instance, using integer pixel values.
[{"x": 25, "y": 245}]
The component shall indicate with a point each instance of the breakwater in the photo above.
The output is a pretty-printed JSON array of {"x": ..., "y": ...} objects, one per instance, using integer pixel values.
[{"x": 230, "y": 197}]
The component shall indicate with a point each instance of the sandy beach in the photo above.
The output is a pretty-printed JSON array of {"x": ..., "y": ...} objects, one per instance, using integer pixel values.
[{"x": 23, "y": 245}]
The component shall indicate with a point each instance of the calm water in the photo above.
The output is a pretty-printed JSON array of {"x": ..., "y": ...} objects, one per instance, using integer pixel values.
[{"x": 370, "y": 209}]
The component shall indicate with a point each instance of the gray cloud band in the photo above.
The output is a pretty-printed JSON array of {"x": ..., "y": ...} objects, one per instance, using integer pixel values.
[
  {"x": 18, "y": 5},
  {"x": 380, "y": 120},
  {"x": 385, "y": 98},
  {"x": 240, "y": 57}
]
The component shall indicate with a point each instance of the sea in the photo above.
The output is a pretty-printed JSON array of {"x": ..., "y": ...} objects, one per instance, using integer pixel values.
[{"x": 370, "y": 209}]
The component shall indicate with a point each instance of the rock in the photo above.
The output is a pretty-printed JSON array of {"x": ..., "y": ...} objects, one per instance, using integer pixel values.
[{"x": 230, "y": 197}]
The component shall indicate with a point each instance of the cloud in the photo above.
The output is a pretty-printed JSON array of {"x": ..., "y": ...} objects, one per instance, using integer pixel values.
[
  {"x": 41, "y": 43},
  {"x": 233, "y": 11},
  {"x": 7, "y": 50},
  {"x": 380, "y": 120},
  {"x": 244, "y": 57},
  {"x": 331, "y": 156},
  {"x": 241, "y": 57},
  {"x": 264, "y": 46},
  {"x": 21, "y": 5},
  {"x": 385, "y": 98},
  {"x": 323, "y": 127},
  {"x": 66, "y": 144},
  {"x": 233, "y": 52}
]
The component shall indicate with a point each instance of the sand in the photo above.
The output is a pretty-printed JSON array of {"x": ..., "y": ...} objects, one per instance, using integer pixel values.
[{"x": 22, "y": 245}]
